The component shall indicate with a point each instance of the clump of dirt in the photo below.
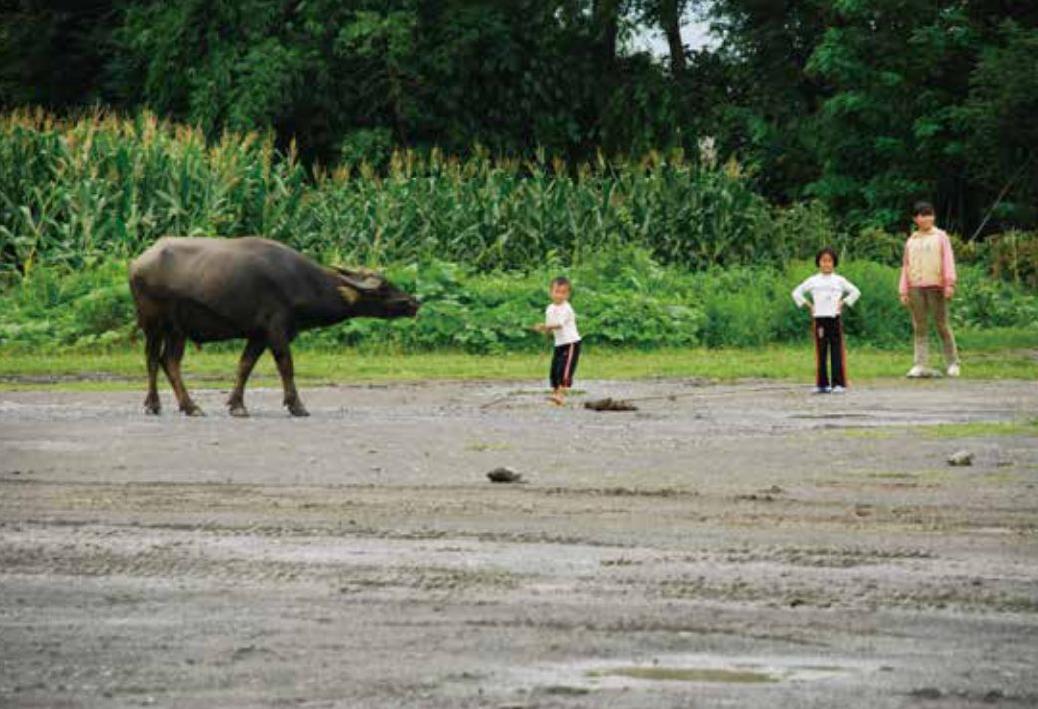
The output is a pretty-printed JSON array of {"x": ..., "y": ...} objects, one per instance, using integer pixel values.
[
  {"x": 504, "y": 475},
  {"x": 610, "y": 404}
]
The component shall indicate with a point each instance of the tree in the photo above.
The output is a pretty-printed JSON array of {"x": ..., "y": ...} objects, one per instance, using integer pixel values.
[
  {"x": 999, "y": 127},
  {"x": 52, "y": 53}
]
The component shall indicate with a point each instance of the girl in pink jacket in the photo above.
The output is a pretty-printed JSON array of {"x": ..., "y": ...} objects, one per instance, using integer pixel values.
[{"x": 927, "y": 284}]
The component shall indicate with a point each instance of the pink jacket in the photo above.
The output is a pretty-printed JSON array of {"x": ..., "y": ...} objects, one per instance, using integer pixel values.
[{"x": 928, "y": 262}]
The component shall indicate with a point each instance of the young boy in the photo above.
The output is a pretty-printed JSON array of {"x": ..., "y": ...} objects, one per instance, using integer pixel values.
[
  {"x": 827, "y": 290},
  {"x": 561, "y": 321},
  {"x": 927, "y": 284}
]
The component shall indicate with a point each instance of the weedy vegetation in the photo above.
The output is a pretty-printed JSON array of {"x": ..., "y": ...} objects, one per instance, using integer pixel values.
[{"x": 665, "y": 252}]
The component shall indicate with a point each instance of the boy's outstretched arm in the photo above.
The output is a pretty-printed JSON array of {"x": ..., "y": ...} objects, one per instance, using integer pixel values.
[{"x": 548, "y": 325}]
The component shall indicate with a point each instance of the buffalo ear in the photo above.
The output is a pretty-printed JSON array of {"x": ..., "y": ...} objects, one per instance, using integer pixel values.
[
  {"x": 359, "y": 277},
  {"x": 363, "y": 281},
  {"x": 350, "y": 295}
]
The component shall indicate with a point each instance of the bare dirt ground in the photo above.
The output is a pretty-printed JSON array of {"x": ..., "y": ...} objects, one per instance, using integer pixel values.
[{"x": 730, "y": 547}]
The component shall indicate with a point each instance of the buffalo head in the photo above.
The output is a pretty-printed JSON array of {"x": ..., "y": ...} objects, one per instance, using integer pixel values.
[{"x": 371, "y": 295}]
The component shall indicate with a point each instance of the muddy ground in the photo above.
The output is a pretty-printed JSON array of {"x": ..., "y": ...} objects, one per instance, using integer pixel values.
[{"x": 743, "y": 545}]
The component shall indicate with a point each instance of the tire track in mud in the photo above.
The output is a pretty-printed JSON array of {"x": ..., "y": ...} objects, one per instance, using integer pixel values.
[
  {"x": 426, "y": 510},
  {"x": 91, "y": 551},
  {"x": 775, "y": 576}
]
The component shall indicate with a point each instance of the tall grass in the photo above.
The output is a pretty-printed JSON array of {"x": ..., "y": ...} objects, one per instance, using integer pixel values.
[
  {"x": 74, "y": 190},
  {"x": 102, "y": 184}
]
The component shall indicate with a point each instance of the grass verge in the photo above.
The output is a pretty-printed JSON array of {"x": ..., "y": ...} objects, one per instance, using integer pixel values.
[
  {"x": 971, "y": 429},
  {"x": 984, "y": 357}
]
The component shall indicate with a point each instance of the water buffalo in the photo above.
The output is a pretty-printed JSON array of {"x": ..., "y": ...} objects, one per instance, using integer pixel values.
[{"x": 220, "y": 289}]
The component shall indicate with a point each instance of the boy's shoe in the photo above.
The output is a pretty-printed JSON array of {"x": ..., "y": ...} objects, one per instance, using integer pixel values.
[
  {"x": 839, "y": 389},
  {"x": 916, "y": 372},
  {"x": 821, "y": 390},
  {"x": 953, "y": 370}
]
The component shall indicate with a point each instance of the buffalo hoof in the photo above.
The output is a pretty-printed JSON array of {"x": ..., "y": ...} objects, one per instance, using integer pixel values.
[
  {"x": 193, "y": 410},
  {"x": 298, "y": 410},
  {"x": 152, "y": 408},
  {"x": 239, "y": 411}
]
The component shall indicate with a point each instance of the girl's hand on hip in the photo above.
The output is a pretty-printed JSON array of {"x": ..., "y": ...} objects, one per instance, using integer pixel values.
[{"x": 904, "y": 299}]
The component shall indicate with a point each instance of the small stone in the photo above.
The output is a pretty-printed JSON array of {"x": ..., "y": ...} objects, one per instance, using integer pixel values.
[
  {"x": 504, "y": 475},
  {"x": 927, "y": 693},
  {"x": 962, "y": 457}
]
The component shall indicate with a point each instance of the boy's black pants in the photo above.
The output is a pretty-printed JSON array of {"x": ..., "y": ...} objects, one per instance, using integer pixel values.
[
  {"x": 828, "y": 336},
  {"x": 564, "y": 364}
]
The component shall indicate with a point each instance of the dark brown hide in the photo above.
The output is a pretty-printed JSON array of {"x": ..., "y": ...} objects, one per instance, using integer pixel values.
[{"x": 255, "y": 289}]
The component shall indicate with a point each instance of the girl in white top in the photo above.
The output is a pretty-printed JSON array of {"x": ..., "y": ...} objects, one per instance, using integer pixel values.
[
  {"x": 561, "y": 322},
  {"x": 827, "y": 291}
]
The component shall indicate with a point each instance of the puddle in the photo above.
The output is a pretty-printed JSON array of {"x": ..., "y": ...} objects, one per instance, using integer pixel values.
[
  {"x": 687, "y": 674},
  {"x": 661, "y": 671}
]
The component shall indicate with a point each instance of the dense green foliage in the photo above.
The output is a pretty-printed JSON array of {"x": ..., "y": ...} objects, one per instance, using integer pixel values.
[
  {"x": 623, "y": 299},
  {"x": 865, "y": 105},
  {"x": 665, "y": 253}
]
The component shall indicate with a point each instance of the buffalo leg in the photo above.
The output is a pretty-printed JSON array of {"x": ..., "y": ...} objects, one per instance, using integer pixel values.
[
  {"x": 153, "y": 351},
  {"x": 283, "y": 357},
  {"x": 171, "y": 357},
  {"x": 253, "y": 349}
]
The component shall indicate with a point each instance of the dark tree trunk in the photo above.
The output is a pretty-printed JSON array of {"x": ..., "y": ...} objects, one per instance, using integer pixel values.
[
  {"x": 607, "y": 26},
  {"x": 670, "y": 23}
]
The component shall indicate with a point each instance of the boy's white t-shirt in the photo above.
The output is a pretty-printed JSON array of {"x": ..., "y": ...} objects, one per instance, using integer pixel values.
[
  {"x": 562, "y": 315},
  {"x": 826, "y": 291}
]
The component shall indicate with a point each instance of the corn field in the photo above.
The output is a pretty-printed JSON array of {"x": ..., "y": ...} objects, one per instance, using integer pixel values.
[{"x": 103, "y": 185}]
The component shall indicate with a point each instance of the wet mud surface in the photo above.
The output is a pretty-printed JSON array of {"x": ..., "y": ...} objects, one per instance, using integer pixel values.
[{"x": 744, "y": 545}]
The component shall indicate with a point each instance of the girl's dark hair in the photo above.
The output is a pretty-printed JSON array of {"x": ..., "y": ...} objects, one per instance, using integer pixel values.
[
  {"x": 922, "y": 208},
  {"x": 560, "y": 281},
  {"x": 827, "y": 250}
]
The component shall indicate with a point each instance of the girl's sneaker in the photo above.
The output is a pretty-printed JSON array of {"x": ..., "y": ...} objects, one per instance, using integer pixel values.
[
  {"x": 953, "y": 370},
  {"x": 916, "y": 372},
  {"x": 821, "y": 390},
  {"x": 839, "y": 389}
]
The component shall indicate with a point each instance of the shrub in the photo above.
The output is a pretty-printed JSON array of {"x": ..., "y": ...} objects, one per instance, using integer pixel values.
[
  {"x": 623, "y": 298},
  {"x": 1013, "y": 257}
]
